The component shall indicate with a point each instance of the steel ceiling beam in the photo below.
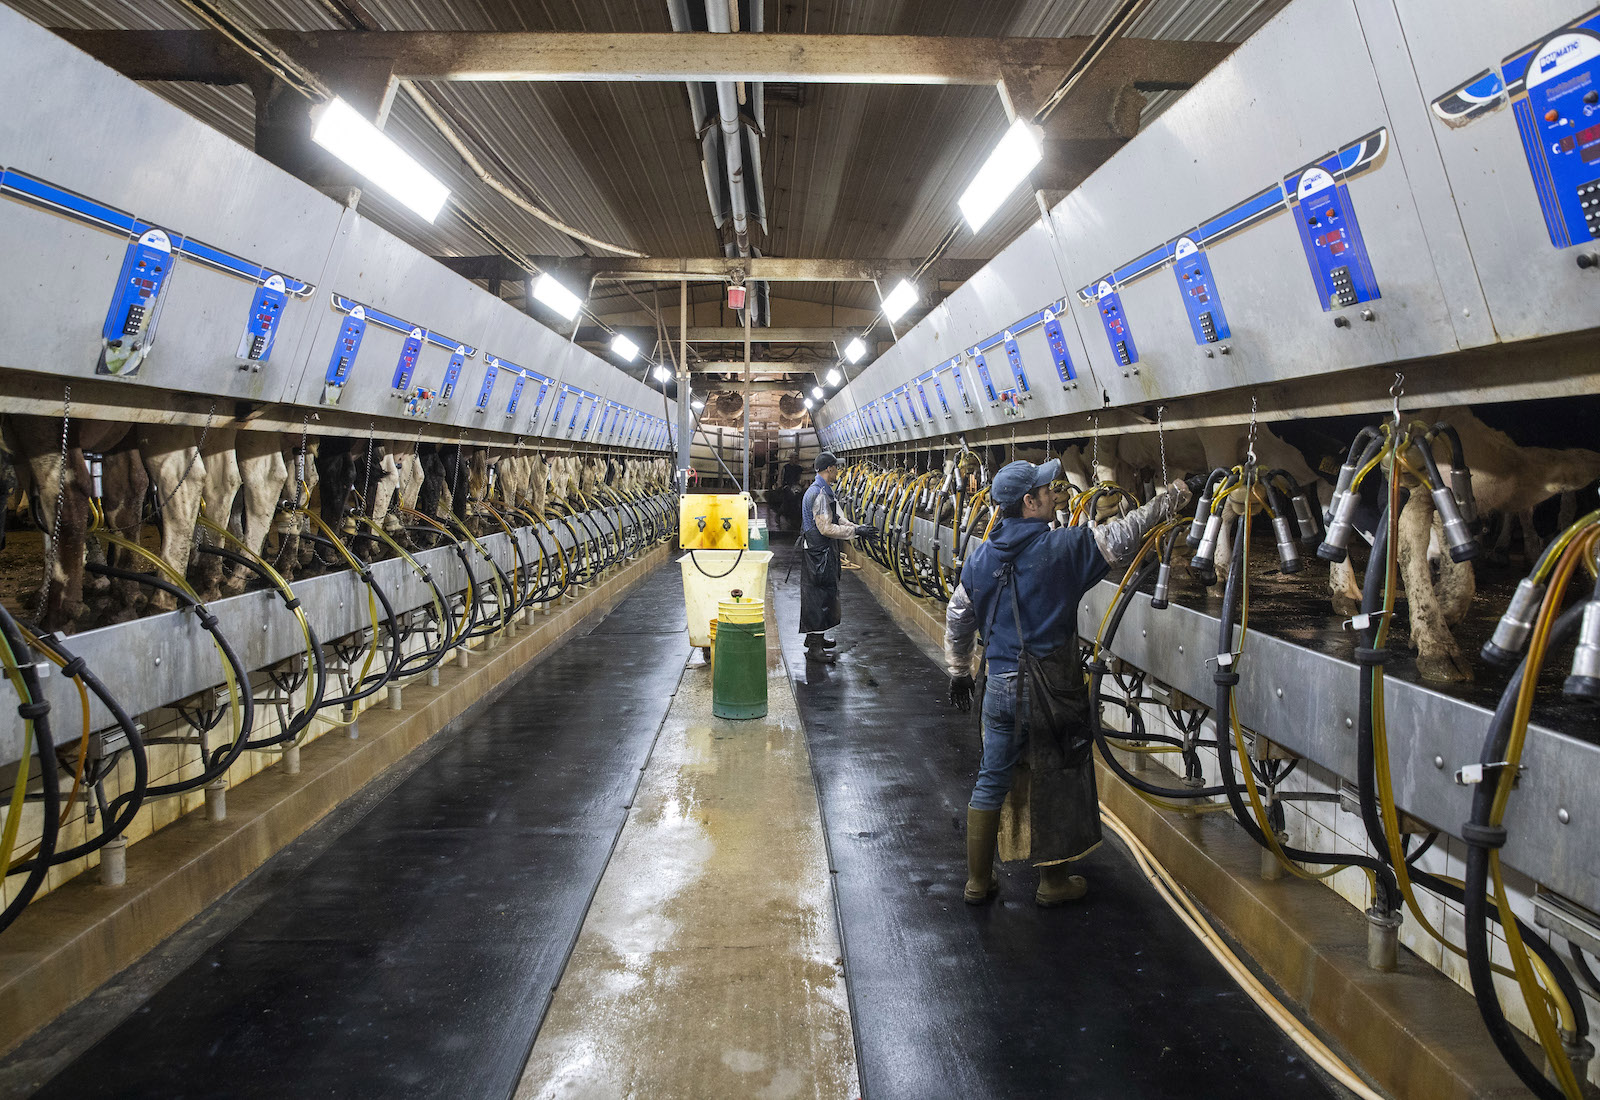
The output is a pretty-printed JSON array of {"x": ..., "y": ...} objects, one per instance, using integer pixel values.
[
  {"x": 772, "y": 269},
  {"x": 670, "y": 56},
  {"x": 726, "y": 335}
]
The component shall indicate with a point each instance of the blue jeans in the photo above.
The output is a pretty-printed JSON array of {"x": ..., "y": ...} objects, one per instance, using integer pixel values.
[{"x": 1002, "y": 745}]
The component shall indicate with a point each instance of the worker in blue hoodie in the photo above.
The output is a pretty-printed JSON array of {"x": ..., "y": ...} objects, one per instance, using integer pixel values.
[{"x": 1021, "y": 589}]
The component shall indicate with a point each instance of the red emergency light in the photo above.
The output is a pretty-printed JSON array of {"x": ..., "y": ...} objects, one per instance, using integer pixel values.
[{"x": 736, "y": 296}]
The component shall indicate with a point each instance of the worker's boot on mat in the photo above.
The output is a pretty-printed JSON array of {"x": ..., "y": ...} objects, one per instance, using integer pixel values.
[
  {"x": 1057, "y": 887},
  {"x": 817, "y": 648},
  {"x": 983, "y": 882}
]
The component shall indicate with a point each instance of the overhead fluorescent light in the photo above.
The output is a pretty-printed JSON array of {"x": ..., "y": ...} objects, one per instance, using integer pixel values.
[
  {"x": 1006, "y": 167},
  {"x": 900, "y": 299},
  {"x": 624, "y": 347},
  {"x": 557, "y": 297},
  {"x": 816, "y": 391},
  {"x": 854, "y": 350},
  {"x": 810, "y": 404},
  {"x": 834, "y": 377},
  {"x": 663, "y": 374},
  {"x": 697, "y": 404},
  {"x": 341, "y": 130}
]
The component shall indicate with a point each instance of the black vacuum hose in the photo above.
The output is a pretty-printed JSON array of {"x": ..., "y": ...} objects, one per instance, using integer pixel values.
[{"x": 38, "y": 710}]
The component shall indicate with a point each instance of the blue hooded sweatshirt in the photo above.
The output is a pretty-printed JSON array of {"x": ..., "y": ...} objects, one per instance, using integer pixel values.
[{"x": 1051, "y": 569}]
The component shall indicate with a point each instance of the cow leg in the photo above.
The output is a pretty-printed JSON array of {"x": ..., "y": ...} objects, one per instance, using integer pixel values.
[
  {"x": 1567, "y": 511},
  {"x": 1343, "y": 588},
  {"x": 263, "y": 474},
  {"x": 1532, "y": 544},
  {"x": 123, "y": 487},
  {"x": 1438, "y": 656},
  {"x": 1457, "y": 583},
  {"x": 218, "y": 489},
  {"x": 172, "y": 460},
  {"x": 61, "y": 591}
]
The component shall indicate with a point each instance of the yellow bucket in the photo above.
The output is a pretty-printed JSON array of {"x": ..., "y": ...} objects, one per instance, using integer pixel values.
[{"x": 741, "y": 611}]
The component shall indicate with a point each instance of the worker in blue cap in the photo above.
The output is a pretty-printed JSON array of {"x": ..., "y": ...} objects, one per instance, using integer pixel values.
[
  {"x": 824, "y": 530},
  {"x": 1021, "y": 590}
]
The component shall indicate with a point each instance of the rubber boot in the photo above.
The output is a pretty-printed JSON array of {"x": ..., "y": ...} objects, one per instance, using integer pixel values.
[
  {"x": 1056, "y": 887},
  {"x": 983, "y": 883}
]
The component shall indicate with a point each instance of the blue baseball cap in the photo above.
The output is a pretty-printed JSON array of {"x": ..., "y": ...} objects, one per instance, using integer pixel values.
[{"x": 1017, "y": 479}]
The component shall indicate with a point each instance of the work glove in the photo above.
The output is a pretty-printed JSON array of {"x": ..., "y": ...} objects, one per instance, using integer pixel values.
[
  {"x": 868, "y": 532},
  {"x": 961, "y": 692},
  {"x": 1182, "y": 494}
]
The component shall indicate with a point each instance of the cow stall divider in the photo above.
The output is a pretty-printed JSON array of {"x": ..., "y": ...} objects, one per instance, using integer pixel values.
[
  {"x": 350, "y": 631},
  {"x": 923, "y": 529}
]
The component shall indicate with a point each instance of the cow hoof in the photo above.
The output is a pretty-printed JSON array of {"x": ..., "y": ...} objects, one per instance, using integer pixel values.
[
  {"x": 235, "y": 586},
  {"x": 1443, "y": 668}
]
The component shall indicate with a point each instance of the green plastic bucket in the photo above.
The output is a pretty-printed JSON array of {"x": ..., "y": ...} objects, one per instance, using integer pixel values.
[{"x": 739, "y": 670}]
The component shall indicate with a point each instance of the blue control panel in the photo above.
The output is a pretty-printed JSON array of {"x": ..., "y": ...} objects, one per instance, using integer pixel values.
[
  {"x": 938, "y": 391},
  {"x": 1558, "y": 117},
  {"x": 489, "y": 374},
  {"x": 1112, "y": 319},
  {"x": 1199, "y": 290},
  {"x": 983, "y": 374},
  {"x": 922, "y": 392},
  {"x": 406, "y": 365},
  {"x": 561, "y": 402},
  {"x": 1331, "y": 236},
  {"x": 961, "y": 386},
  {"x": 345, "y": 348},
  {"x": 516, "y": 395},
  {"x": 1057, "y": 341},
  {"x": 130, "y": 322},
  {"x": 1014, "y": 357},
  {"x": 588, "y": 421},
  {"x": 577, "y": 407},
  {"x": 452, "y": 374},
  {"x": 261, "y": 329}
]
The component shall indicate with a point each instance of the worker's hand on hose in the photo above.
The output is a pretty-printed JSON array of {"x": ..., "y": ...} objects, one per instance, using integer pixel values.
[
  {"x": 961, "y": 692},
  {"x": 869, "y": 532}
]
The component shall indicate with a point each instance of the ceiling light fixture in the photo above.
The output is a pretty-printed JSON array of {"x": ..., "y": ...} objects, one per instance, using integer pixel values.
[
  {"x": 663, "y": 374},
  {"x": 901, "y": 298},
  {"x": 341, "y": 130},
  {"x": 697, "y": 404},
  {"x": 810, "y": 404},
  {"x": 816, "y": 391},
  {"x": 624, "y": 347},
  {"x": 854, "y": 350},
  {"x": 1006, "y": 167},
  {"x": 834, "y": 377},
  {"x": 557, "y": 297}
]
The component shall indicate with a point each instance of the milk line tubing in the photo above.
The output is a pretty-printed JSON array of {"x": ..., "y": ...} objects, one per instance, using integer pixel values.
[
  {"x": 600, "y": 540},
  {"x": 892, "y": 496}
]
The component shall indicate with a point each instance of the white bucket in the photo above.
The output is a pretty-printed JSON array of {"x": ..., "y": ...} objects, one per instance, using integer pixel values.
[{"x": 711, "y": 576}]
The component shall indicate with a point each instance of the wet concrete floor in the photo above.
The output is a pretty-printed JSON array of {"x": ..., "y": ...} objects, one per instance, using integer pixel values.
[{"x": 709, "y": 964}]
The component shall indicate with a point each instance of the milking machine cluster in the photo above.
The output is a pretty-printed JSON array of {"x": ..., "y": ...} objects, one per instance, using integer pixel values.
[
  {"x": 930, "y": 514},
  {"x": 430, "y": 587}
]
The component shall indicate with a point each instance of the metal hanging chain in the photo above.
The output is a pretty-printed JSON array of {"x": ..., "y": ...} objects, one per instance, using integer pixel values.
[
  {"x": 194, "y": 459},
  {"x": 1396, "y": 392},
  {"x": 366, "y": 490},
  {"x": 1161, "y": 441},
  {"x": 61, "y": 489},
  {"x": 1250, "y": 447},
  {"x": 1094, "y": 455}
]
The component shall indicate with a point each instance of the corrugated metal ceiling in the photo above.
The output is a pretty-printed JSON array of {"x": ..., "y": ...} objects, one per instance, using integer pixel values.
[{"x": 850, "y": 171}]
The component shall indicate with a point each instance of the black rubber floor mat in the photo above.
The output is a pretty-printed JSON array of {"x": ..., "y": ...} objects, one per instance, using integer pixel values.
[
  {"x": 416, "y": 956},
  {"x": 1111, "y": 997}
]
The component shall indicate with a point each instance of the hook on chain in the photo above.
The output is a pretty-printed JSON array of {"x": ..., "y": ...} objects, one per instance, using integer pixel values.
[
  {"x": 1250, "y": 449},
  {"x": 1397, "y": 391}
]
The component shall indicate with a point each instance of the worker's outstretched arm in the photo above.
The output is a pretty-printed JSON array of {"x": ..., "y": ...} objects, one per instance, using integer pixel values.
[
  {"x": 960, "y": 634},
  {"x": 1119, "y": 539},
  {"x": 819, "y": 516}
]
